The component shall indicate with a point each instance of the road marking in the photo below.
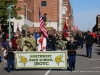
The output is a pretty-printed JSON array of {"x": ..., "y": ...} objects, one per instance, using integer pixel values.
[
  {"x": 94, "y": 54},
  {"x": 47, "y": 72},
  {"x": 94, "y": 59},
  {"x": 81, "y": 71},
  {"x": 94, "y": 67}
]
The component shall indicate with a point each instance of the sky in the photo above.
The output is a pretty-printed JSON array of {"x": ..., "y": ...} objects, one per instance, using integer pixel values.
[{"x": 85, "y": 12}]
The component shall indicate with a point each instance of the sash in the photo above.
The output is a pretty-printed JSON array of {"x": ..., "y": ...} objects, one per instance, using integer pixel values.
[{"x": 41, "y": 41}]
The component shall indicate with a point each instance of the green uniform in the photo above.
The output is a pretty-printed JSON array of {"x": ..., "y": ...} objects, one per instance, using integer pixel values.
[
  {"x": 61, "y": 43},
  {"x": 19, "y": 43},
  {"x": 33, "y": 43}
]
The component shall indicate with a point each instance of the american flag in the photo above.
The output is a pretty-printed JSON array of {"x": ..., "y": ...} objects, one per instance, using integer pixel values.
[{"x": 42, "y": 25}]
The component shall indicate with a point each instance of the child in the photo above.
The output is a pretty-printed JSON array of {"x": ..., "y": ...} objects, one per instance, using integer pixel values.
[{"x": 3, "y": 54}]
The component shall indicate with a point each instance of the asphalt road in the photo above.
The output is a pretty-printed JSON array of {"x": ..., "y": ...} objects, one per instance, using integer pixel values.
[{"x": 84, "y": 66}]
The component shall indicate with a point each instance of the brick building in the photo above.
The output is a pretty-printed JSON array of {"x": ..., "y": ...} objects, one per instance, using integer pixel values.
[
  {"x": 68, "y": 14},
  {"x": 97, "y": 26},
  {"x": 55, "y": 11},
  {"x": 26, "y": 13}
]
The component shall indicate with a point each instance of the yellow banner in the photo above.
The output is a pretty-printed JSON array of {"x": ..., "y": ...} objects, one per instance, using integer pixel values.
[{"x": 48, "y": 59}]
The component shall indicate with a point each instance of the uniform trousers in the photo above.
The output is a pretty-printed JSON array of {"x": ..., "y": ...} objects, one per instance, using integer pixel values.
[
  {"x": 49, "y": 45},
  {"x": 53, "y": 47},
  {"x": 89, "y": 51},
  {"x": 72, "y": 59},
  {"x": 9, "y": 64},
  {"x": 81, "y": 44}
]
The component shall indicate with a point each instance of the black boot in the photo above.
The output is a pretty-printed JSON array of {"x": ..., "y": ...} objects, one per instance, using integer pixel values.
[
  {"x": 13, "y": 68},
  {"x": 73, "y": 66},
  {"x": 87, "y": 54},
  {"x": 90, "y": 57}
]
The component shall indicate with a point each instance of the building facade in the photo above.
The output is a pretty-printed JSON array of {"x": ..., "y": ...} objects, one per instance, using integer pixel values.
[
  {"x": 48, "y": 9},
  {"x": 97, "y": 26},
  {"x": 53, "y": 11},
  {"x": 68, "y": 14},
  {"x": 26, "y": 13}
]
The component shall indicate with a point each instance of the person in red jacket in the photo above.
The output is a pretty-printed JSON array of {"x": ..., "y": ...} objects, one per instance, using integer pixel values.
[
  {"x": 14, "y": 42},
  {"x": 94, "y": 36},
  {"x": 7, "y": 36}
]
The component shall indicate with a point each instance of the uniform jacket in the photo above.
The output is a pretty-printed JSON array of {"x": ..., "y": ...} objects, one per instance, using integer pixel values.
[
  {"x": 49, "y": 39},
  {"x": 71, "y": 46},
  {"x": 32, "y": 41},
  {"x": 61, "y": 43},
  {"x": 10, "y": 54},
  {"x": 81, "y": 39},
  {"x": 89, "y": 40},
  {"x": 41, "y": 44},
  {"x": 53, "y": 40}
]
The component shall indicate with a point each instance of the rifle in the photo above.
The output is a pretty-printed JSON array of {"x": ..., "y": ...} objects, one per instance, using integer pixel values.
[{"x": 28, "y": 43}]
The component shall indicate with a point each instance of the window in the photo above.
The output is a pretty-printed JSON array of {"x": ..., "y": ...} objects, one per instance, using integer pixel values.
[
  {"x": 64, "y": 11},
  {"x": 29, "y": 15},
  {"x": 30, "y": 1},
  {"x": 43, "y": 3},
  {"x": 65, "y": 3},
  {"x": 25, "y": 11}
]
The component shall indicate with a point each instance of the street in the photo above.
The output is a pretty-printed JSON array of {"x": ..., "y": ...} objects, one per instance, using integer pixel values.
[{"x": 84, "y": 66}]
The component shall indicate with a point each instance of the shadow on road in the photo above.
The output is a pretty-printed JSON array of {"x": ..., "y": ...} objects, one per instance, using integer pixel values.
[
  {"x": 97, "y": 51},
  {"x": 5, "y": 68},
  {"x": 39, "y": 69},
  {"x": 98, "y": 46},
  {"x": 81, "y": 55}
]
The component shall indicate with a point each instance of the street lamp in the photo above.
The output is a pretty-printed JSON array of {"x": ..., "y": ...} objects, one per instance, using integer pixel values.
[
  {"x": 9, "y": 8},
  {"x": 90, "y": 27}
]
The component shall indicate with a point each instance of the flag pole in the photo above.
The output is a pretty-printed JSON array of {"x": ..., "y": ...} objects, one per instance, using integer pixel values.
[{"x": 42, "y": 26}]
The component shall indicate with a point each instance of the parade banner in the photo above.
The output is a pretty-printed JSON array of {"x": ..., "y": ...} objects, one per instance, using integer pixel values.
[{"x": 41, "y": 60}]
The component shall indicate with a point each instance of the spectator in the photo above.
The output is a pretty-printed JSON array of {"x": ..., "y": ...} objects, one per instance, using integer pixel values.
[{"x": 5, "y": 43}]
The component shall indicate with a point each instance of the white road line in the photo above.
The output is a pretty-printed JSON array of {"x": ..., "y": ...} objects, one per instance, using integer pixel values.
[
  {"x": 47, "y": 72},
  {"x": 94, "y": 67},
  {"x": 94, "y": 59},
  {"x": 94, "y": 54}
]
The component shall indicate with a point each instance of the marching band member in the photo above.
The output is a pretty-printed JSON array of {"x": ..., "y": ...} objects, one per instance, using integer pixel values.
[{"x": 41, "y": 41}]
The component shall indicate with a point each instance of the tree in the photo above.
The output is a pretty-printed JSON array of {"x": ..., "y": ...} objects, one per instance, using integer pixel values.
[{"x": 4, "y": 13}]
